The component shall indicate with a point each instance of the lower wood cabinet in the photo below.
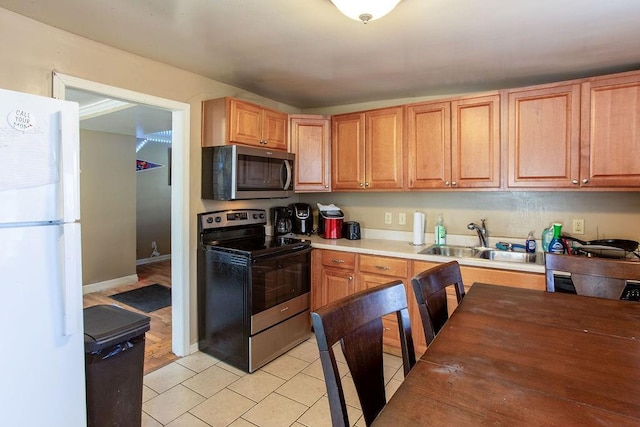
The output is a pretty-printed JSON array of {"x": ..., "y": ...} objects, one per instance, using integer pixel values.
[
  {"x": 375, "y": 271},
  {"x": 336, "y": 278},
  {"x": 336, "y": 274}
]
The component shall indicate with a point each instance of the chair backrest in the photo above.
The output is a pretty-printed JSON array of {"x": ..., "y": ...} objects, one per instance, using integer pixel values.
[
  {"x": 595, "y": 277},
  {"x": 356, "y": 322},
  {"x": 429, "y": 287}
]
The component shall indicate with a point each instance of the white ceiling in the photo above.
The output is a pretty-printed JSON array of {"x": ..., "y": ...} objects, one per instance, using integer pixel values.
[{"x": 306, "y": 54}]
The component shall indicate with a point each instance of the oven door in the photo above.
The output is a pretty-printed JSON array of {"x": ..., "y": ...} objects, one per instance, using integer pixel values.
[{"x": 281, "y": 285}]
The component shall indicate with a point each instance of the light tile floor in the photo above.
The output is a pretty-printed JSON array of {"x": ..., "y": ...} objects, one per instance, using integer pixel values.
[{"x": 200, "y": 391}]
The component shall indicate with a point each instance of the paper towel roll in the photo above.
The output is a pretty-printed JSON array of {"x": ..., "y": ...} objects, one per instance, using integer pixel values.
[{"x": 418, "y": 228}]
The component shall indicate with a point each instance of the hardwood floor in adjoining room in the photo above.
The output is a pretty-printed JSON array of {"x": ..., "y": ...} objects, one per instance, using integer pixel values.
[{"x": 157, "y": 352}]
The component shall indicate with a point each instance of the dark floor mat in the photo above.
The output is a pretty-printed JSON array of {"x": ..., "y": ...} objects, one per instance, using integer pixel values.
[{"x": 148, "y": 298}]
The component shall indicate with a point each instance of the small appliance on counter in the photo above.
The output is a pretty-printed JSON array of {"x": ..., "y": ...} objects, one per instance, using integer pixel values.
[
  {"x": 281, "y": 220},
  {"x": 302, "y": 218},
  {"x": 351, "y": 230},
  {"x": 330, "y": 220}
]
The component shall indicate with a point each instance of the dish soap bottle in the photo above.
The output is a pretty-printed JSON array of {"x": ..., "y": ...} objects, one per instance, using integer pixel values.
[
  {"x": 530, "y": 245},
  {"x": 440, "y": 232},
  {"x": 556, "y": 246},
  {"x": 547, "y": 235}
]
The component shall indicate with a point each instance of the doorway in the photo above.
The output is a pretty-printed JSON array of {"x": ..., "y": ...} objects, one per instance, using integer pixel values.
[{"x": 180, "y": 113}]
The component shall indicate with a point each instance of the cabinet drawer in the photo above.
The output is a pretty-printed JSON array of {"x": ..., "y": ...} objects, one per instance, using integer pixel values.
[
  {"x": 338, "y": 259},
  {"x": 386, "y": 266}
]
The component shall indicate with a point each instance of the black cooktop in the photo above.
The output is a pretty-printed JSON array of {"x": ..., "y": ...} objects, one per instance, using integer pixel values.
[{"x": 256, "y": 245}]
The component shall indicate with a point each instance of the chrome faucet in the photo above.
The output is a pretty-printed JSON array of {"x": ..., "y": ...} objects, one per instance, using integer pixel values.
[{"x": 482, "y": 232}]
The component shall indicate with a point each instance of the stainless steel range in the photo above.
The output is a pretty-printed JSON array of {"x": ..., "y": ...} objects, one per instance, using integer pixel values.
[{"x": 253, "y": 290}]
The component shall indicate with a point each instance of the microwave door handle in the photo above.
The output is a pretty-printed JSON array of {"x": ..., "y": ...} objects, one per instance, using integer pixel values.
[{"x": 287, "y": 166}]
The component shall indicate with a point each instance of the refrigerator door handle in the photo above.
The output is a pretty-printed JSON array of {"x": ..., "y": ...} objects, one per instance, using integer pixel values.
[
  {"x": 70, "y": 164},
  {"x": 71, "y": 282}
]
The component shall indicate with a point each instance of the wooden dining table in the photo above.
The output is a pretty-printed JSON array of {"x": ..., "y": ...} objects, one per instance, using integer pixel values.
[{"x": 511, "y": 356}]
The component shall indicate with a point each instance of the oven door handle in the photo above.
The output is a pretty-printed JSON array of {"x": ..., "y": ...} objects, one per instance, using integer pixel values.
[{"x": 275, "y": 254}]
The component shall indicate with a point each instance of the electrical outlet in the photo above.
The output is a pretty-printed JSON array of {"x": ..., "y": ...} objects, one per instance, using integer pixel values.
[
  {"x": 388, "y": 218},
  {"x": 402, "y": 218},
  {"x": 578, "y": 226}
]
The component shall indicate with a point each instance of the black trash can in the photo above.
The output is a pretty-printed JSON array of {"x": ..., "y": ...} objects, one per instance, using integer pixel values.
[{"x": 114, "y": 365}]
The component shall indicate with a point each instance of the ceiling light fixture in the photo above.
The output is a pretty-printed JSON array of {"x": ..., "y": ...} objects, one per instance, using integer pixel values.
[{"x": 365, "y": 10}]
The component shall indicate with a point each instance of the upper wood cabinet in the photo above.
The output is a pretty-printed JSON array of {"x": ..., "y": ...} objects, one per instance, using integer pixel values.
[
  {"x": 229, "y": 121},
  {"x": 311, "y": 143},
  {"x": 610, "y": 132},
  {"x": 544, "y": 136},
  {"x": 367, "y": 150},
  {"x": 454, "y": 144}
]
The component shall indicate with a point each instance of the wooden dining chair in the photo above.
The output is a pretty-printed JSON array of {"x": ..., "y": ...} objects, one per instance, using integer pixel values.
[
  {"x": 594, "y": 277},
  {"x": 429, "y": 287},
  {"x": 356, "y": 322}
]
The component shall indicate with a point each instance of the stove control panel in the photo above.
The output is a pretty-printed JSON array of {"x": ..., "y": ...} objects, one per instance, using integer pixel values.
[{"x": 232, "y": 218}]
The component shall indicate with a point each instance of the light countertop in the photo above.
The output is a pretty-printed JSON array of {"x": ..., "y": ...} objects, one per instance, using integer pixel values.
[{"x": 405, "y": 249}]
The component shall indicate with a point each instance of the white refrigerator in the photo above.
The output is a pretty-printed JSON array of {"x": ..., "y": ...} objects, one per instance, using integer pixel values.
[{"x": 41, "y": 317}]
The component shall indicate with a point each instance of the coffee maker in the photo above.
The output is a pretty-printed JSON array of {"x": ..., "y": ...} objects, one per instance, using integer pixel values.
[
  {"x": 302, "y": 218},
  {"x": 281, "y": 220}
]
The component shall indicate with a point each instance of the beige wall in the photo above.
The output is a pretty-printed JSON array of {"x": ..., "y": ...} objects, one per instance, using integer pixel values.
[
  {"x": 107, "y": 206},
  {"x": 34, "y": 50},
  {"x": 508, "y": 214},
  {"x": 153, "y": 202}
]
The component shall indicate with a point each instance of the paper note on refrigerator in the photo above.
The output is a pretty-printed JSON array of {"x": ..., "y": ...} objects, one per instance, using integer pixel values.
[{"x": 28, "y": 151}]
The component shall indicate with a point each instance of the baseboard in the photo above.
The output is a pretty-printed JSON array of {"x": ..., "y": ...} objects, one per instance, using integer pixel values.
[
  {"x": 108, "y": 284},
  {"x": 153, "y": 259},
  {"x": 193, "y": 348}
]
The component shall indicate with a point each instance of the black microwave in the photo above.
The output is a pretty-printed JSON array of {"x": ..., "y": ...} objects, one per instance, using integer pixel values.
[{"x": 236, "y": 172}]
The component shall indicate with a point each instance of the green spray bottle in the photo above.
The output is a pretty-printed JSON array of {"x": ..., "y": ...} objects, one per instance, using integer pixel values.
[{"x": 556, "y": 245}]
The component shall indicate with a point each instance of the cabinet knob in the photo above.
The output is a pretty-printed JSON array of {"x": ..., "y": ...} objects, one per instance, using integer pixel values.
[
  {"x": 326, "y": 186},
  {"x": 574, "y": 181},
  {"x": 350, "y": 277},
  {"x": 446, "y": 183},
  {"x": 361, "y": 184},
  {"x": 454, "y": 183},
  {"x": 366, "y": 184},
  {"x": 585, "y": 180}
]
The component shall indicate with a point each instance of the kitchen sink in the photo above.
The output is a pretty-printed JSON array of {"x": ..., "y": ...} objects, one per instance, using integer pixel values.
[
  {"x": 451, "y": 250},
  {"x": 483, "y": 253},
  {"x": 509, "y": 256}
]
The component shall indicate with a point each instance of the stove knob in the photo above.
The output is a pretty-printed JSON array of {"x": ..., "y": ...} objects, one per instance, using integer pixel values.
[
  {"x": 218, "y": 219},
  {"x": 261, "y": 215},
  {"x": 255, "y": 216},
  {"x": 209, "y": 220}
]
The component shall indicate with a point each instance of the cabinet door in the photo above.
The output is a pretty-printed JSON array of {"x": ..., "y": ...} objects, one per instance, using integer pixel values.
[
  {"x": 419, "y": 339},
  {"x": 544, "y": 137},
  {"x": 310, "y": 141},
  {"x": 347, "y": 152},
  {"x": 274, "y": 129},
  {"x": 429, "y": 145},
  {"x": 515, "y": 279},
  {"x": 336, "y": 283},
  {"x": 245, "y": 123},
  {"x": 610, "y": 134},
  {"x": 390, "y": 333},
  {"x": 383, "y": 149},
  {"x": 475, "y": 145}
]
